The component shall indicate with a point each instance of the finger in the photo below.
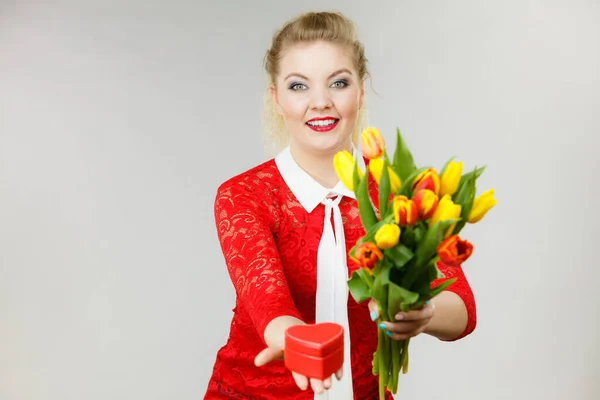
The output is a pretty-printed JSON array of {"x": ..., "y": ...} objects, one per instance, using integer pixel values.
[
  {"x": 425, "y": 312},
  {"x": 266, "y": 356},
  {"x": 301, "y": 380},
  {"x": 339, "y": 373},
  {"x": 327, "y": 383},
  {"x": 401, "y": 327},
  {"x": 405, "y": 335},
  {"x": 373, "y": 309},
  {"x": 317, "y": 385}
]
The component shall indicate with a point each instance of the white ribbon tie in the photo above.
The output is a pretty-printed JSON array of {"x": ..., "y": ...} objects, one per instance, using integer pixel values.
[{"x": 332, "y": 291}]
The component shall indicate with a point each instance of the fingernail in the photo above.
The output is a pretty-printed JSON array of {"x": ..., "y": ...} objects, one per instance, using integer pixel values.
[
  {"x": 388, "y": 333},
  {"x": 373, "y": 315},
  {"x": 399, "y": 317},
  {"x": 382, "y": 326}
]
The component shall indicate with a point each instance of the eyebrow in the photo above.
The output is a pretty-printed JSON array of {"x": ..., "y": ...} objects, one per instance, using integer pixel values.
[{"x": 339, "y": 71}]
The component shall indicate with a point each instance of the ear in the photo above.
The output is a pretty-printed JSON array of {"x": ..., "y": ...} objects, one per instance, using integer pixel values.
[
  {"x": 273, "y": 92},
  {"x": 361, "y": 101}
]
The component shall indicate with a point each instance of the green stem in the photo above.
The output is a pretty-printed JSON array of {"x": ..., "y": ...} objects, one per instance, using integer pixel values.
[
  {"x": 396, "y": 354},
  {"x": 404, "y": 359},
  {"x": 394, "y": 349},
  {"x": 382, "y": 365}
]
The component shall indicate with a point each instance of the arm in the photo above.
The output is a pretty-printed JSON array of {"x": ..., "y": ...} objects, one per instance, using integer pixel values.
[
  {"x": 252, "y": 259},
  {"x": 255, "y": 269},
  {"x": 455, "y": 310},
  {"x": 450, "y": 316}
]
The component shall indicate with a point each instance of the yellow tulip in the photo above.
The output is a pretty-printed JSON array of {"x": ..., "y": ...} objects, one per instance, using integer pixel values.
[
  {"x": 372, "y": 143},
  {"x": 344, "y": 163},
  {"x": 387, "y": 236},
  {"x": 445, "y": 211},
  {"x": 376, "y": 168},
  {"x": 451, "y": 178},
  {"x": 481, "y": 205}
]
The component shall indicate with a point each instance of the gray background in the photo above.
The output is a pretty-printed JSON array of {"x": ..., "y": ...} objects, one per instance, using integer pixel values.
[{"x": 118, "y": 120}]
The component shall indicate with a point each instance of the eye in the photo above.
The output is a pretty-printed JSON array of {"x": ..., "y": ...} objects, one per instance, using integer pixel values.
[
  {"x": 340, "y": 83},
  {"x": 297, "y": 86}
]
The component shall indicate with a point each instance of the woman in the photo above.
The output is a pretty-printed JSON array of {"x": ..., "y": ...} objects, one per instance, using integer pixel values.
[{"x": 273, "y": 229}]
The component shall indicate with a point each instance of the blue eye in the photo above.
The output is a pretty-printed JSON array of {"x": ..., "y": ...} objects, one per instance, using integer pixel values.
[
  {"x": 341, "y": 83},
  {"x": 297, "y": 86}
]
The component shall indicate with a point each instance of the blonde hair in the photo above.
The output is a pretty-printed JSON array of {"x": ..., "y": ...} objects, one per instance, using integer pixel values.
[{"x": 332, "y": 27}]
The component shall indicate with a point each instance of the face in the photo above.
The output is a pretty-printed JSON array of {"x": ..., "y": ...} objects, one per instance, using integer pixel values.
[{"x": 319, "y": 93}]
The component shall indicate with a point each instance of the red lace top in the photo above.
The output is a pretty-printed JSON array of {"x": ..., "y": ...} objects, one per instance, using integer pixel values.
[{"x": 269, "y": 236}]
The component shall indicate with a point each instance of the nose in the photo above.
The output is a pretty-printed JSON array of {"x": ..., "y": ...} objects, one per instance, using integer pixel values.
[{"x": 321, "y": 99}]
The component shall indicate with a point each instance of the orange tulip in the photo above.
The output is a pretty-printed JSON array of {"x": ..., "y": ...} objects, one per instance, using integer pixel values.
[
  {"x": 427, "y": 202},
  {"x": 367, "y": 254},
  {"x": 453, "y": 251},
  {"x": 405, "y": 210},
  {"x": 372, "y": 143},
  {"x": 428, "y": 179}
]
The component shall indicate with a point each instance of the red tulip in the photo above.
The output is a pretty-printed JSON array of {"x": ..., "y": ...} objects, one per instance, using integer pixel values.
[
  {"x": 453, "y": 251},
  {"x": 405, "y": 210},
  {"x": 426, "y": 202},
  {"x": 367, "y": 254},
  {"x": 428, "y": 179}
]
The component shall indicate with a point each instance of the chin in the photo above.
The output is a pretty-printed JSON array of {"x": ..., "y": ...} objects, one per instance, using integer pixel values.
[{"x": 325, "y": 142}]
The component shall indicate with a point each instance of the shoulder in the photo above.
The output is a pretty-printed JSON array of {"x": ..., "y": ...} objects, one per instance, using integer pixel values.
[{"x": 250, "y": 185}]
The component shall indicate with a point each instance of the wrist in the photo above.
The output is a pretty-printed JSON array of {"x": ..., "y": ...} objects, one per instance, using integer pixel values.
[{"x": 274, "y": 334}]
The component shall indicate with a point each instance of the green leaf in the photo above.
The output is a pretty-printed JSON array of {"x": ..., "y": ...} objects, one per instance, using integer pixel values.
[
  {"x": 359, "y": 289},
  {"x": 428, "y": 246},
  {"x": 400, "y": 299},
  {"x": 434, "y": 271},
  {"x": 384, "y": 191},
  {"x": 469, "y": 176},
  {"x": 355, "y": 177},
  {"x": 399, "y": 255},
  {"x": 465, "y": 195},
  {"x": 367, "y": 213},
  {"x": 407, "y": 237},
  {"x": 446, "y": 165},
  {"x": 404, "y": 164},
  {"x": 379, "y": 290},
  {"x": 385, "y": 290},
  {"x": 441, "y": 287},
  {"x": 419, "y": 230}
]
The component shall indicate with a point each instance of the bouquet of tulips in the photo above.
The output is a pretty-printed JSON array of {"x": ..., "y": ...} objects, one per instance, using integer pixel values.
[{"x": 413, "y": 225}]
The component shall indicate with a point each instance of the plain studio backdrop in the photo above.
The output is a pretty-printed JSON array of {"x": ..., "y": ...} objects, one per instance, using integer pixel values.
[{"x": 119, "y": 119}]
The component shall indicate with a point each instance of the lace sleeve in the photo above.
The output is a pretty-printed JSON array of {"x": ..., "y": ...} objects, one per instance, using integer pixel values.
[
  {"x": 251, "y": 256},
  {"x": 463, "y": 289}
]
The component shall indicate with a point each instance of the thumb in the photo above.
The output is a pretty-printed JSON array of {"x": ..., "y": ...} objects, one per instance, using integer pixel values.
[
  {"x": 267, "y": 355},
  {"x": 373, "y": 309}
]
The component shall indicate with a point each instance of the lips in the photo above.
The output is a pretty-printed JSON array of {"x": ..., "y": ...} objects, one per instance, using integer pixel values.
[{"x": 322, "y": 124}]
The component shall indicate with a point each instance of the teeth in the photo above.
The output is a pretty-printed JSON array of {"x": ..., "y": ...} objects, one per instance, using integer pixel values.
[{"x": 322, "y": 122}]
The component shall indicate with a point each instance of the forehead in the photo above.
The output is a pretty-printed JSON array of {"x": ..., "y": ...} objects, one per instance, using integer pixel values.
[{"x": 316, "y": 59}]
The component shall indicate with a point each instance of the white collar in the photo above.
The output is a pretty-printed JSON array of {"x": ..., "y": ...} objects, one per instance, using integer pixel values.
[{"x": 309, "y": 192}]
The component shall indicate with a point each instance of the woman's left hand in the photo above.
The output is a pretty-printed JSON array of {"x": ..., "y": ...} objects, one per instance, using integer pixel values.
[{"x": 407, "y": 324}]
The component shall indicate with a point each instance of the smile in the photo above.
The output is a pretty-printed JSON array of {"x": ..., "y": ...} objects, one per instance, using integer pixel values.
[{"x": 322, "y": 125}]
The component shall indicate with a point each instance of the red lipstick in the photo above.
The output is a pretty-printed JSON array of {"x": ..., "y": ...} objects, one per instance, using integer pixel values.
[{"x": 322, "y": 124}]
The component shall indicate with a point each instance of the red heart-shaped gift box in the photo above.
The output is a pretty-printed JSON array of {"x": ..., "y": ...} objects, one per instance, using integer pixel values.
[{"x": 315, "y": 351}]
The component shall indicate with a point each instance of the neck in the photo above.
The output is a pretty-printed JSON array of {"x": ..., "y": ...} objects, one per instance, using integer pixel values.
[{"x": 319, "y": 165}]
